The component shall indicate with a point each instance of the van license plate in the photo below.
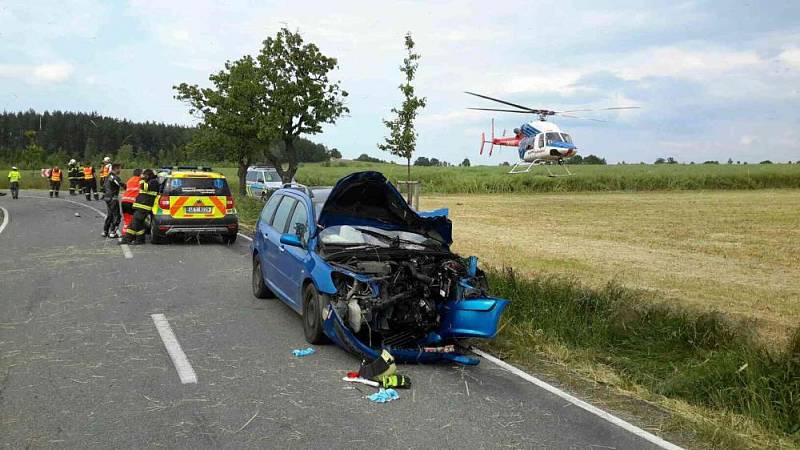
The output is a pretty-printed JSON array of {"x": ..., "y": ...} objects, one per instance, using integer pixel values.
[{"x": 198, "y": 210}]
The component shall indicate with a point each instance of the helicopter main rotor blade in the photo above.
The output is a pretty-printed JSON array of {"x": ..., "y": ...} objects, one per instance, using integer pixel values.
[
  {"x": 502, "y": 110},
  {"x": 582, "y": 118},
  {"x": 598, "y": 109},
  {"x": 527, "y": 109}
]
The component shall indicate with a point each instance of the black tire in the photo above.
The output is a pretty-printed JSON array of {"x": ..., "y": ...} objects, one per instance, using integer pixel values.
[
  {"x": 229, "y": 239},
  {"x": 313, "y": 304},
  {"x": 156, "y": 237},
  {"x": 260, "y": 289}
]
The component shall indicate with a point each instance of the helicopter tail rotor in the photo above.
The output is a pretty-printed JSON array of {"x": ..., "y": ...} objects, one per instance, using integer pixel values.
[{"x": 484, "y": 141}]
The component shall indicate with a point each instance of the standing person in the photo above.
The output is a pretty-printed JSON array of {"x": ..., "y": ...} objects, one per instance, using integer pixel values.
[
  {"x": 13, "y": 180},
  {"x": 89, "y": 182},
  {"x": 55, "y": 181},
  {"x": 111, "y": 197},
  {"x": 104, "y": 171},
  {"x": 75, "y": 176},
  {"x": 142, "y": 208},
  {"x": 129, "y": 197}
]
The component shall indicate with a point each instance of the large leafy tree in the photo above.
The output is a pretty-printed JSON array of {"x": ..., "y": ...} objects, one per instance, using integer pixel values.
[
  {"x": 402, "y": 140},
  {"x": 280, "y": 94}
]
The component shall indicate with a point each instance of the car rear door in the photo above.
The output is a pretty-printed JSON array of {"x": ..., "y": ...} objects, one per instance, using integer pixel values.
[
  {"x": 274, "y": 249},
  {"x": 261, "y": 239}
]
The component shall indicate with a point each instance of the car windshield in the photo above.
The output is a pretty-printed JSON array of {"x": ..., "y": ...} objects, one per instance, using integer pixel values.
[
  {"x": 196, "y": 186},
  {"x": 346, "y": 235}
]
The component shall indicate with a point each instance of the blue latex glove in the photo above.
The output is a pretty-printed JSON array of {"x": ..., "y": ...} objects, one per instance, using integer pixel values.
[
  {"x": 384, "y": 395},
  {"x": 303, "y": 351}
]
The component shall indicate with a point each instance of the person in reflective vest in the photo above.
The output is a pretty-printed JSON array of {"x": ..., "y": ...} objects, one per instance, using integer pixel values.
[
  {"x": 75, "y": 176},
  {"x": 55, "y": 181},
  {"x": 13, "y": 181},
  {"x": 129, "y": 197},
  {"x": 89, "y": 182},
  {"x": 142, "y": 208},
  {"x": 104, "y": 171}
]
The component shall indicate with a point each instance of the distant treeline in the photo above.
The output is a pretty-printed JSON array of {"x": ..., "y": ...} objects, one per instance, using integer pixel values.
[{"x": 31, "y": 140}]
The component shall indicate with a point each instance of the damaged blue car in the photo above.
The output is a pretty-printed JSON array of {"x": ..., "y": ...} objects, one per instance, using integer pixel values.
[{"x": 369, "y": 273}]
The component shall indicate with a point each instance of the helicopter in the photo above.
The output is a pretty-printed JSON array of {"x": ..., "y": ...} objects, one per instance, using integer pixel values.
[{"x": 539, "y": 142}]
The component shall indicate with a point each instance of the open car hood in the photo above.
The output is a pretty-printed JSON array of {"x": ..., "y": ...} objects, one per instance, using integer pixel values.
[{"x": 369, "y": 199}]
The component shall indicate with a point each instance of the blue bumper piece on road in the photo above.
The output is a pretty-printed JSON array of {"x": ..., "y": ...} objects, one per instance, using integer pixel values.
[{"x": 474, "y": 318}]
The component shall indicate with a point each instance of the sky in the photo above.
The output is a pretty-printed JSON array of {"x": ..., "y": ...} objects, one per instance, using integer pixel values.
[{"x": 713, "y": 79}]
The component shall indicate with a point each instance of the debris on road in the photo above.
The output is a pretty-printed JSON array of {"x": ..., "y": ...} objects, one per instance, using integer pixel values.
[
  {"x": 384, "y": 395},
  {"x": 395, "y": 381},
  {"x": 357, "y": 379},
  {"x": 382, "y": 365},
  {"x": 77, "y": 214},
  {"x": 300, "y": 352}
]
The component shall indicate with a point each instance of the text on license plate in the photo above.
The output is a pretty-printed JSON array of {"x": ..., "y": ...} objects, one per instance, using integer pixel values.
[{"x": 197, "y": 209}]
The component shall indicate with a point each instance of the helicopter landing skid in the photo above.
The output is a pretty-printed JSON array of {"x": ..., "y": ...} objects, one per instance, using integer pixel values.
[{"x": 525, "y": 167}]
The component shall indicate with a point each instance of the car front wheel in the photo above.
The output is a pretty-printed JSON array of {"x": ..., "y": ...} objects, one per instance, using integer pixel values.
[{"x": 313, "y": 304}]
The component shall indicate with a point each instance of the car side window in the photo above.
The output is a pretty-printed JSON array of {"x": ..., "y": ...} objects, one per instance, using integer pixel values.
[
  {"x": 282, "y": 214},
  {"x": 251, "y": 176},
  {"x": 269, "y": 209},
  {"x": 299, "y": 218}
]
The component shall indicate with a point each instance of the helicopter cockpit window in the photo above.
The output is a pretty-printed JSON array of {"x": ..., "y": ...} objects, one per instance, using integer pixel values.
[
  {"x": 541, "y": 140},
  {"x": 553, "y": 137},
  {"x": 566, "y": 138}
]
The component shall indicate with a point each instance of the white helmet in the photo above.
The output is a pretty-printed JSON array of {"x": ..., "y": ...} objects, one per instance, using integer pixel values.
[
  {"x": 107, "y": 160},
  {"x": 72, "y": 162}
]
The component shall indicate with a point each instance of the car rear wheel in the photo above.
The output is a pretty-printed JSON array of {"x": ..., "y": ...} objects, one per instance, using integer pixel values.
[
  {"x": 260, "y": 289},
  {"x": 156, "y": 237},
  {"x": 313, "y": 304}
]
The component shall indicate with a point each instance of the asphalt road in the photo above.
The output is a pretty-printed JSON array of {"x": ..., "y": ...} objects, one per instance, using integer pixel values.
[{"x": 82, "y": 364}]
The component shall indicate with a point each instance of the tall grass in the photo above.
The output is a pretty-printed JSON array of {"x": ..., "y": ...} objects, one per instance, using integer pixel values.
[{"x": 703, "y": 359}]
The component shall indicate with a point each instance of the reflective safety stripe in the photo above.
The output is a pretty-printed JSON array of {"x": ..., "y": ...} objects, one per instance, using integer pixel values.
[
  {"x": 55, "y": 175},
  {"x": 134, "y": 232},
  {"x": 88, "y": 173},
  {"x": 141, "y": 206}
]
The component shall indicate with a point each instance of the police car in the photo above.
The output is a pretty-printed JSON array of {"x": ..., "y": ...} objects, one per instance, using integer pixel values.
[
  {"x": 193, "y": 200},
  {"x": 262, "y": 181}
]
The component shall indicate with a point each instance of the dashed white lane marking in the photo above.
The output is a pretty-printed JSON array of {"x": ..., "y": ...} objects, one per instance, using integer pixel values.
[
  {"x": 579, "y": 403},
  {"x": 5, "y": 219},
  {"x": 179, "y": 359},
  {"x": 126, "y": 251}
]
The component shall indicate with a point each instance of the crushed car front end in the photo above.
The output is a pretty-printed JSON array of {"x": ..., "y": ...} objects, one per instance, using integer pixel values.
[{"x": 391, "y": 280}]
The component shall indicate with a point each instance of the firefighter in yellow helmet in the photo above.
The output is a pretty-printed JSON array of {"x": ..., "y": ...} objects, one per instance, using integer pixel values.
[
  {"x": 104, "y": 171},
  {"x": 142, "y": 208}
]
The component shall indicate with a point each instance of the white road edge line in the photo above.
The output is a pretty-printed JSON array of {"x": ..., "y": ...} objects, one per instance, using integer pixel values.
[
  {"x": 179, "y": 360},
  {"x": 5, "y": 219},
  {"x": 578, "y": 402},
  {"x": 126, "y": 251}
]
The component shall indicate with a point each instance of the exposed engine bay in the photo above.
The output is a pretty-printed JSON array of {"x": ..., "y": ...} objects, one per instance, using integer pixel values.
[{"x": 396, "y": 298}]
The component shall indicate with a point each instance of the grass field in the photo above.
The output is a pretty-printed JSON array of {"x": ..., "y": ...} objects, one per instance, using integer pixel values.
[
  {"x": 735, "y": 252},
  {"x": 487, "y": 179}
]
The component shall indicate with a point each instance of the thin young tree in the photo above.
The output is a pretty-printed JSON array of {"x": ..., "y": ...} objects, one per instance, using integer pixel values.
[{"x": 402, "y": 139}]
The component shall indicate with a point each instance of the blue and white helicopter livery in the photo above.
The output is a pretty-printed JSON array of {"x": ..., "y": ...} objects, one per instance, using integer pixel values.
[{"x": 539, "y": 142}]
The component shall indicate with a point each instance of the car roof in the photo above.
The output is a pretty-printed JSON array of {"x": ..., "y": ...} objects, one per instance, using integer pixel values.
[{"x": 195, "y": 174}]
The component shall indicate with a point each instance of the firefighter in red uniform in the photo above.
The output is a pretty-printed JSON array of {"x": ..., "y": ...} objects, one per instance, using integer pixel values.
[
  {"x": 55, "y": 181},
  {"x": 142, "y": 208}
]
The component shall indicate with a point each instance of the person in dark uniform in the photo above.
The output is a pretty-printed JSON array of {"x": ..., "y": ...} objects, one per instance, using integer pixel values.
[
  {"x": 74, "y": 174},
  {"x": 111, "y": 196},
  {"x": 142, "y": 208}
]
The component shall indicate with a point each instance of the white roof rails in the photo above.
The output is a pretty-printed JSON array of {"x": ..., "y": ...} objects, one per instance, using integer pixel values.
[{"x": 295, "y": 185}]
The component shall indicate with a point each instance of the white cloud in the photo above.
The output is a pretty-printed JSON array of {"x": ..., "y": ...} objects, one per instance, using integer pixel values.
[
  {"x": 43, "y": 73},
  {"x": 791, "y": 57},
  {"x": 747, "y": 140}
]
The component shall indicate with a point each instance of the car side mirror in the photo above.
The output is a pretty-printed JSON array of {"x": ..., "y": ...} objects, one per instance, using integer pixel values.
[{"x": 291, "y": 239}]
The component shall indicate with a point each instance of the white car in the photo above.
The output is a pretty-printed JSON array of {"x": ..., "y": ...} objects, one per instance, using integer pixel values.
[{"x": 262, "y": 181}]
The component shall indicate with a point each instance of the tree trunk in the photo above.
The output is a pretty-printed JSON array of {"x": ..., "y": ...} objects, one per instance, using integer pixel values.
[
  {"x": 291, "y": 158},
  {"x": 243, "y": 163},
  {"x": 408, "y": 180}
]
